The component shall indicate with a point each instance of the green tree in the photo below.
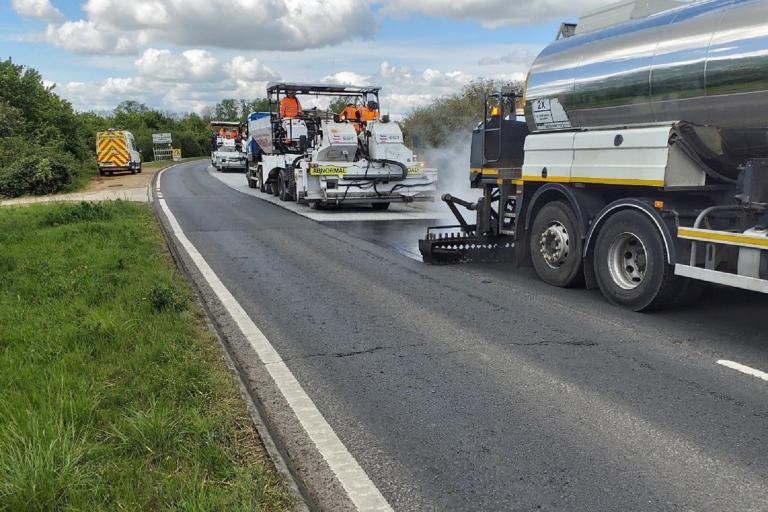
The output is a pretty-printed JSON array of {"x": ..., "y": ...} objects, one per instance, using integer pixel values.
[
  {"x": 43, "y": 143},
  {"x": 435, "y": 124},
  {"x": 227, "y": 110}
]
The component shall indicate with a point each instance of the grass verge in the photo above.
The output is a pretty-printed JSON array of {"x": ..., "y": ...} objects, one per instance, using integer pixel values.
[{"x": 115, "y": 394}]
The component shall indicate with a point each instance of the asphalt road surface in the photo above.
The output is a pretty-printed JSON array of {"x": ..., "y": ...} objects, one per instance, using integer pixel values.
[{"x": 477, "y": 387}]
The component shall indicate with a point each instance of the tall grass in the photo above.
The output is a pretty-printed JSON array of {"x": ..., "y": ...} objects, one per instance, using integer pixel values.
[{"x": 114, "y": 394}]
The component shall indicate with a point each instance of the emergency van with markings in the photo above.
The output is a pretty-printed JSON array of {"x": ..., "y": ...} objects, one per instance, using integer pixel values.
[
  {"x": 116, "y": 151},
  {"x": 316, "y": 157}
]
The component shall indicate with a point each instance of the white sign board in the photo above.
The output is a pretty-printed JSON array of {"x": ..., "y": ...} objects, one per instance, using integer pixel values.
[{"x": 161, "y": 138}]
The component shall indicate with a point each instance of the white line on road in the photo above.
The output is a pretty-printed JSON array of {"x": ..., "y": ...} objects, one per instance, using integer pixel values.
[
  {"x": 744, "y": 369},
  {"x": 359, "y": 487}
]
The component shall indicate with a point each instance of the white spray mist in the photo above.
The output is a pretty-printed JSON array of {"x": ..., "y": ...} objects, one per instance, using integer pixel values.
[{"x": 452, "y": 163}]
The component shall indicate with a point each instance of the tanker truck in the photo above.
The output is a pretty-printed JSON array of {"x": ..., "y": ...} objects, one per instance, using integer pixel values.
[
  {"x": 318, "y": 158},
  {"x": 641, "y": 163}
]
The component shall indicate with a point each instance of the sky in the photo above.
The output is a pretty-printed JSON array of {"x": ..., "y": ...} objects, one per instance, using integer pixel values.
[{"x": 184, "y": 55}]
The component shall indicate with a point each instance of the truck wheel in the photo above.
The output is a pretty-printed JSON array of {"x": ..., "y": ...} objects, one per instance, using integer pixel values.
[
  {"x": 249, "y": 178},
  {"x": 133, "y": 169},
  {"x": 101, "y": 172},
  {"x": 262, "y": 184},
  {"x": 556, "y": 245},
  {"x": 282, "y": 187},
  {"x": 380, "y": 206},
  {"x": 139, "y": 169},
  {"x": 317, "y": 205},
  {"x": 631, "y": 263}
]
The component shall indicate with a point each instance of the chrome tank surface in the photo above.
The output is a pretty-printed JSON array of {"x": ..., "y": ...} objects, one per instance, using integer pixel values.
[{"x": 705, "y": 63}]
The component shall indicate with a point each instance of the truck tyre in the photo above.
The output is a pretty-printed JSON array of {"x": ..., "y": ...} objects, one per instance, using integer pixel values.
[
  {"x": 282, "y": 187},
  {"x": 380, "y": 206},
  {"x": 317, "y": 205},
  {"x": 139, "y": 168},
  {"x": 631, "y": 263},
  {"x": 556, "y": 245},
  {"x": 249, "y": 178},
  {"x": 101, "y": 172},
  {"x": 262, "y": 183}
]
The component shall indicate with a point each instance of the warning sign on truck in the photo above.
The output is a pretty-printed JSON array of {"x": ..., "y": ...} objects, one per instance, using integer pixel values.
[{"x": 549, "y": 114}]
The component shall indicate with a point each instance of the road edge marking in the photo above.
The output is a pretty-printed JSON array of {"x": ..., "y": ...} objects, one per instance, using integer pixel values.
[
  {"x": 743, "y": 369},
  {"x": 359, "y": 488}
]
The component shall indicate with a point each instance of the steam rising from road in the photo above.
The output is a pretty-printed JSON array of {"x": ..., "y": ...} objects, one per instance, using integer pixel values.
[{"x": 452, "y": 163}]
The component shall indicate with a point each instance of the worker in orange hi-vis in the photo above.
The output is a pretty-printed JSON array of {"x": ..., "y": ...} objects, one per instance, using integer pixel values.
[
  {"x": 234, "y": 134},
  {"x": 290, "y": 106},
  {"x": 349, "y": 113},
  {"x": 370, "y": 111},
  {"x": 222, "y": 132}
]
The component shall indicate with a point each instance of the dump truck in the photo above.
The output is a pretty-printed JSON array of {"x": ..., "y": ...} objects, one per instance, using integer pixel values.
[
  {"x": 641, "y": 164},
  {"x": 116, "y": 151},
  {"x": 320, "y": 158}
]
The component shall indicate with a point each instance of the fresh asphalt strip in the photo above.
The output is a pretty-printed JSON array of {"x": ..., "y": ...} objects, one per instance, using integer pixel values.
[{"x": 358, "y": 486}]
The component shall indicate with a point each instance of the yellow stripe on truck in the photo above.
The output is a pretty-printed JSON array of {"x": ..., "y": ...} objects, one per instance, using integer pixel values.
[
  {"x": 707, "y": 235},
  {"x": 596, "y": 181}
]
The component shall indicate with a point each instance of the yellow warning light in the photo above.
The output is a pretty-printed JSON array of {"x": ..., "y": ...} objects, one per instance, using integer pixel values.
[{"x": 658, "y": 205}]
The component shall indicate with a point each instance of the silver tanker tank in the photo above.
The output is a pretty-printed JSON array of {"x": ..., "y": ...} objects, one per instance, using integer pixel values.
[{"x": 705, "y": 62}]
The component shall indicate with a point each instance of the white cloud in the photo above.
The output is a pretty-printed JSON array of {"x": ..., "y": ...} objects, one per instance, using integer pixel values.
[
  {"x": 242, "y": 68},
  {"x": 494, "y": 13},
  {"x": 87, "y": 37},
  {"x": 347, "y": 78},
  {"x": 41, "y": 9},
  {"x": 237, "y": 24},
  {"x": 189, "y": 66}
]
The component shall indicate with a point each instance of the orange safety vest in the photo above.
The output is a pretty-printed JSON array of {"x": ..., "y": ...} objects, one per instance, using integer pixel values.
[
  {"x": 290, "y": 107},
  {"x": 349, "y": 113},
  {"x": 369, "y": 114}
]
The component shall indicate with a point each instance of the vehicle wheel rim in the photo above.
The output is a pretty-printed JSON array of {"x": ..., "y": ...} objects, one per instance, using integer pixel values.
[
  {"x": 627, "y": 261},
  {"x": 555, "y": 245}
]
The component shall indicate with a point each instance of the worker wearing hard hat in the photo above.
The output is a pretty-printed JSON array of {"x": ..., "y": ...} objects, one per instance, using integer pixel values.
[
  {"x": 349, "y": 113},
  {"x": 370, "y": 111},
  {"x": 290, "y": 106}
]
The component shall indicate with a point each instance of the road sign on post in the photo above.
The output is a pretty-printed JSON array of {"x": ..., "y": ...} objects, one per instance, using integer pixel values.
[
  {"x": 161, "y": 138},
  {"x": 176, "y": 154},
  {"x": 162, "y": 146}
]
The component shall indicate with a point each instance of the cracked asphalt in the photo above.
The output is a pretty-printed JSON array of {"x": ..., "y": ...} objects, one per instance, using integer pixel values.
[{"x": 480, "y": 388}]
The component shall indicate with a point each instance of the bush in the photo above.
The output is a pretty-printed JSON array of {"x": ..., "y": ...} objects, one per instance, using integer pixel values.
[{"x": 29, "y": 169}]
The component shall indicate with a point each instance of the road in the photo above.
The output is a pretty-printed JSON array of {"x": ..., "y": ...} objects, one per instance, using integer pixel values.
[{"x": 480, "y": 388}]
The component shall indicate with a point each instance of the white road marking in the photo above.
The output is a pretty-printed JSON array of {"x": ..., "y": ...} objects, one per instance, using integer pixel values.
[
  {"x": 237, "y": 182},
  {"x": 359, "y": 487},
  {"x": 744, "y": 369}
]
